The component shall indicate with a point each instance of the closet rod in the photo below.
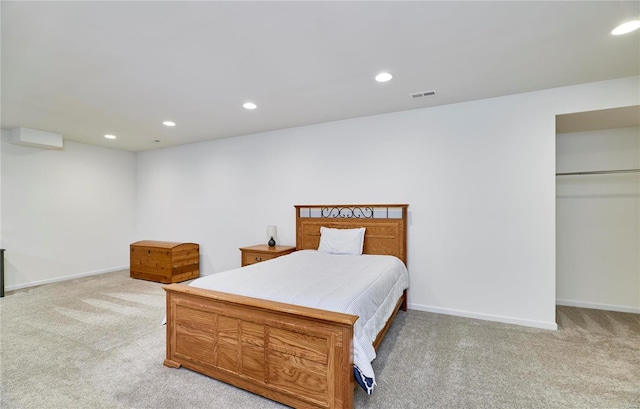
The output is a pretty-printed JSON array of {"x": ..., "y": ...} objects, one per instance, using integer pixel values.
[{"x": 598, "y": 172}]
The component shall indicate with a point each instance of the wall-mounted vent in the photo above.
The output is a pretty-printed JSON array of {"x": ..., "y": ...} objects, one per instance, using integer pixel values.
[{"x": 423, "y": 94}]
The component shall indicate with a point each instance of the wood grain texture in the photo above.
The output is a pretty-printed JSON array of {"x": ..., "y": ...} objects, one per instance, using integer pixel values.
[
  {"x": 299, "y": 356},
  {"x": 382, "y": 235},
  {"x": 281, "y": 351},
  {"x": 163, "y": 261},
  {"x": 263, "y": 252}
]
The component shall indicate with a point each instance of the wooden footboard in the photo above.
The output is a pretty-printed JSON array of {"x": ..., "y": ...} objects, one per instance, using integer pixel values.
[{"x": 302, "y": 357}]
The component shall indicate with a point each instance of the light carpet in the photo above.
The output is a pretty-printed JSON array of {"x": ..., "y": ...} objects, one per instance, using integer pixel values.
[{"x": 97, "y": 342}]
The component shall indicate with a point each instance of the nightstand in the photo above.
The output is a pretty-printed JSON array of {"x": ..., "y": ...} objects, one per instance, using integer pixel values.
[{"x": 262, "y": 252}]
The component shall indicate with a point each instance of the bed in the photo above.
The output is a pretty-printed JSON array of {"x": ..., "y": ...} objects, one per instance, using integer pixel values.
[{"x": 294, "y": 354}]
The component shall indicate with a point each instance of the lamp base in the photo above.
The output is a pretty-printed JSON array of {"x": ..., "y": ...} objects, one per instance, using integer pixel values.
[{"x": 272, "y": 242}]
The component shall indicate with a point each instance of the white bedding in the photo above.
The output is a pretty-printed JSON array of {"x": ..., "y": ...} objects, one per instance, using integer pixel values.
[{"x": 368, "y": 286}]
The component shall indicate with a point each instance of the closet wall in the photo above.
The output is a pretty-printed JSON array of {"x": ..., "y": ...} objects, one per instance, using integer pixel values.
[{"x": 598, "y": 220}]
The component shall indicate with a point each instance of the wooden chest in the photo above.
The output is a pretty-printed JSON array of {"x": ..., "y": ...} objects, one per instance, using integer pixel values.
[{"x": 164, "y": 261}]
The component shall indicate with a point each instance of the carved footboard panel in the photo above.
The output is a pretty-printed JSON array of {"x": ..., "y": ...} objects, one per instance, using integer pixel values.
[{"x": 302, "y": 357}]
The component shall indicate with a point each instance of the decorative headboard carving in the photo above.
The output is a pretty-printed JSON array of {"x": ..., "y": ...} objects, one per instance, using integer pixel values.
[{"x": 386, "y": 226}]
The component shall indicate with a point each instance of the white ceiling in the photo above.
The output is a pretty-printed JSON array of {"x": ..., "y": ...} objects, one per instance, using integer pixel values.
[{"x": 85, "y": 69}]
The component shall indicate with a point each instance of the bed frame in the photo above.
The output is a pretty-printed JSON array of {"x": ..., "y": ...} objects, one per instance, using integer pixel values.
[{"x": 301, "y": 357}]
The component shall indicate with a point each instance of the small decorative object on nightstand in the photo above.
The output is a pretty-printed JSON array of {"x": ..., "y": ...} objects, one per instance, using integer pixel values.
[
  {"x": 261, "y": 252},
  {"x": 272, "y": 233}
]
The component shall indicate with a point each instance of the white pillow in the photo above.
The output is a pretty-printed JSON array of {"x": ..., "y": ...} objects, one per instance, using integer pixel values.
[{"x": 341, "y": 241}]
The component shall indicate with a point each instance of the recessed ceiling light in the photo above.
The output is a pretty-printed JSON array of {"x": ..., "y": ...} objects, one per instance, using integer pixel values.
[
  {"x": 110, "y": 136},
  {"x": 627, "y": 27},
  {"x": 383, "y": 77},
  {"x": 249, "y": 105},
  {"x": 169, "y": 123}
]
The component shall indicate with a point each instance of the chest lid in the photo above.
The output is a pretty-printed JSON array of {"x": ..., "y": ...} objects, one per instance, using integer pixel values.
[{"x": 162, "y": 244}]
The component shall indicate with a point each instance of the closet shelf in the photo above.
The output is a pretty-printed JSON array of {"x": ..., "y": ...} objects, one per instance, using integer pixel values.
[{"x": 598, "y": 172}]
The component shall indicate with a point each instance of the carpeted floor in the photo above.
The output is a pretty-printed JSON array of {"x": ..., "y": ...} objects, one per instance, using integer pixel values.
[{"x": 97, "y": 342}]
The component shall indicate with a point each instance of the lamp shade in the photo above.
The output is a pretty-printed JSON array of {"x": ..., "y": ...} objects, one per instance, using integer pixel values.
[{"x": 272, "y": 233}]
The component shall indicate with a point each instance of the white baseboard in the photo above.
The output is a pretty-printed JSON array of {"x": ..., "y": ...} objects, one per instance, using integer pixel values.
[
  {"x": 596, "y": 306},
  {"x": 65, "y": 278},
  {"x": 486, "y": 317}
]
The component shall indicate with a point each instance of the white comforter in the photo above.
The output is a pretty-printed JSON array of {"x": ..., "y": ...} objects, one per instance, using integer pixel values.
[{"x": 367, "y": 286}]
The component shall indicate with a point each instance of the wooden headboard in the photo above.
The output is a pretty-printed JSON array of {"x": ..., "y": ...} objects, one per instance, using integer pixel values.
[{"x": 386, "y": 226}]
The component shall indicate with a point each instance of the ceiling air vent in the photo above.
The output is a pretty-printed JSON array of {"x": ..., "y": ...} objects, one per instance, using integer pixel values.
[{"x": 423, "y": 94}]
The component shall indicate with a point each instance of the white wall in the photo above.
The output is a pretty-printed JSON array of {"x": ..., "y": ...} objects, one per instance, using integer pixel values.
[
  {"x": 1, "y": 137},
  {"x": 598, "y": 220},
  {"x": 65, "y": 213},
  {"x": 479, "y": 178}
]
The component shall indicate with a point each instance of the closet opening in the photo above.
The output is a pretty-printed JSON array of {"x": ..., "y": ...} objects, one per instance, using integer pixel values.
[{"x": 598, "y": 209}]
